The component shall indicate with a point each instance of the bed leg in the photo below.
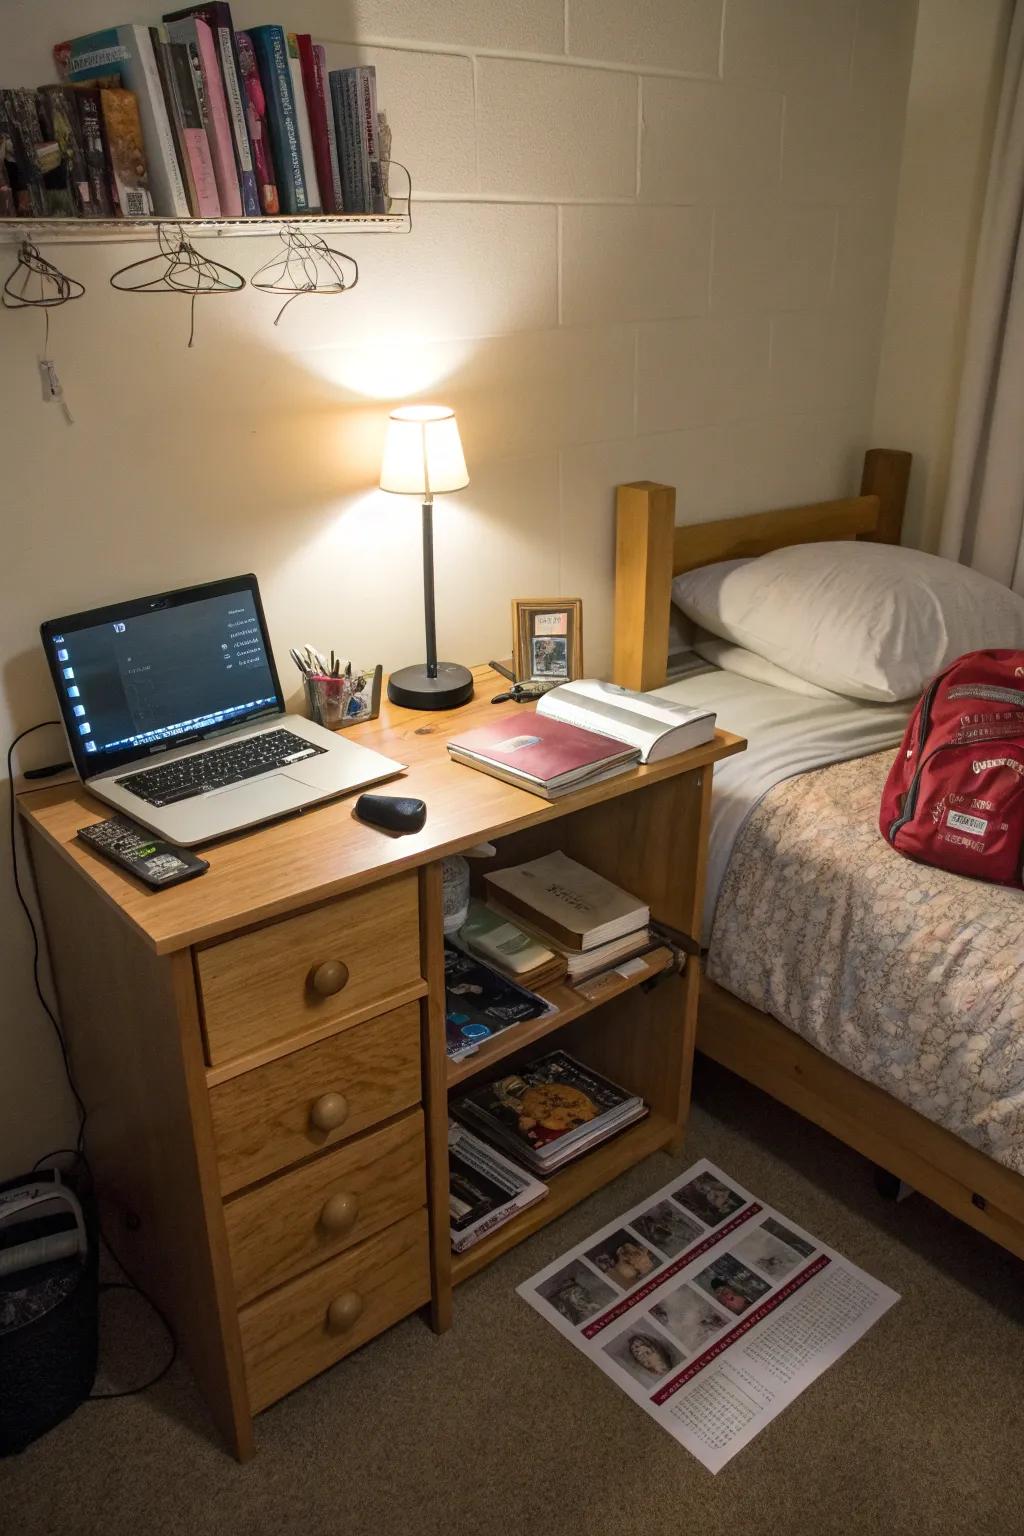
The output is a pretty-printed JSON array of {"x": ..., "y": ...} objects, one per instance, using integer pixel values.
[{"x": 890, "y": 1187}]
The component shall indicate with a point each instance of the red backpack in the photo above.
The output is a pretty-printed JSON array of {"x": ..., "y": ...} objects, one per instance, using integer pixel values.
[{"x": 955, "y": 794}]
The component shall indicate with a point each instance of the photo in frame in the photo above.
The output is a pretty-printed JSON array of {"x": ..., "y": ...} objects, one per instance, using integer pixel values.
[{"x": 547, "y": 639}]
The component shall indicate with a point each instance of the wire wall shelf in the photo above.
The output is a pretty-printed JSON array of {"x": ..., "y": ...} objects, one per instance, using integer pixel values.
[
  {"x": 81, "y": 231},
  {"x": 116, "y": 231}
]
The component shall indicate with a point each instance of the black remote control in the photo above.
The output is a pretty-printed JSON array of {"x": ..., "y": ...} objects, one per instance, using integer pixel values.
[
  {"x": 391, "y": 812},
  {"x": 156, "y": 863}
]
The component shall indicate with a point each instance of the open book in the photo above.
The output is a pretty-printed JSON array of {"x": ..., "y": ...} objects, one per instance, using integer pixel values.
[{"x": 656, "y": 727}]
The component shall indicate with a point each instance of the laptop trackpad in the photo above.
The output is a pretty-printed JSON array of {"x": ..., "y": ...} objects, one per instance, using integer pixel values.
[{"x": 231, "y": 809}]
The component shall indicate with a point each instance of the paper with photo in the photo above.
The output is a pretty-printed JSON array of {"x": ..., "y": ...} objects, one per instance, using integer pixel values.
[{"x": 709, "y": 1308}]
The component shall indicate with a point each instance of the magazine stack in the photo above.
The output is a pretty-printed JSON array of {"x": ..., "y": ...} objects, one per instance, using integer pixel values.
[
  {"x": 485, "y": 1189},
  {"x": 549, "y": 1112}
]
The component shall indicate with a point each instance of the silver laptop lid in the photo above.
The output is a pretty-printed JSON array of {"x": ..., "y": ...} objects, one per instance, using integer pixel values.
[{"x": 135, "y": 678}]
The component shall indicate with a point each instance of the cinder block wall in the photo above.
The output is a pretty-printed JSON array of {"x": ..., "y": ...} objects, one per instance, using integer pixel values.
[{"x": 650, "y": 240}]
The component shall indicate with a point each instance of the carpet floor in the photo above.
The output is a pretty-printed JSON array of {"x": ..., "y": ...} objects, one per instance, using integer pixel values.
[{"x": 501, "y": 1426}]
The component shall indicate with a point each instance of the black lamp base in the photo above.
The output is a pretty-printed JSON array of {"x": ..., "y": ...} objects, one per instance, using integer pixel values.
[{"x": 414, "y": 688}]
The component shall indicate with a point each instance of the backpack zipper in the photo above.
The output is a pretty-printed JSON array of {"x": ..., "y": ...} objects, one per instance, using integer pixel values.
[
  {"x": 910, "y": 803},
  {"x": 990, "y": 691}
]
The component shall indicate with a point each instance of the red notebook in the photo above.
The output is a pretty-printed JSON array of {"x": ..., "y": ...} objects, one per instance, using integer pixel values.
[{"x": 540, "y": 754}]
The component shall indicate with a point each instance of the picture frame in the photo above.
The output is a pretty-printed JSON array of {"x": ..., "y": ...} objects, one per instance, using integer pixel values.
[{"x": 547, "y": 639}]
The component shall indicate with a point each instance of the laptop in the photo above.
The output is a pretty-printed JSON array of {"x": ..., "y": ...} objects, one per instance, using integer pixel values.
[{"x": 175, "y": 717}]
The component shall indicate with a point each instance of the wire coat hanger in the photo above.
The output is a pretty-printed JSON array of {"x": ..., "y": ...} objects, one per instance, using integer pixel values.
[
  {"x": 55, "y": 288},
  {"x": 177, "y": 268},
  {"x": 304, "y": 264}
]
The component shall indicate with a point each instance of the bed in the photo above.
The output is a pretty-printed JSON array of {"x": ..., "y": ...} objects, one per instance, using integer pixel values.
[{"x": 837, "y": 976}]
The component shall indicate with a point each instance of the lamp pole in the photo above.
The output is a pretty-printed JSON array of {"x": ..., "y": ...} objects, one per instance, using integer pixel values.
[{"x": 428, "y": 583}]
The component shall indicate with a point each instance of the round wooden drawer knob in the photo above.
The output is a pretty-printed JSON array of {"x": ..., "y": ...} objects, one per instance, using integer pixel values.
[
  {"x": 328, "y": 978},
  {"x": 329, "y": 1111},
  {"x": 344, "y": 1311},
  {"x": 339, "y": 1214}
]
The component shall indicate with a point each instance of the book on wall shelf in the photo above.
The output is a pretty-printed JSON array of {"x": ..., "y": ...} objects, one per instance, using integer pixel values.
[
  {"x": 217, "y": 17},
  {"x": 122, "y": 128},
  {"x": 259, "y": 130},
  {"x": 185, "y": 75},
  {"x": 66, "y": 183},
  {"x": 271, "y": 47},
  {"x": 302, "y": 121},
  {"x": 193, "y": 33},
  {"x": 323, "y": 86}
]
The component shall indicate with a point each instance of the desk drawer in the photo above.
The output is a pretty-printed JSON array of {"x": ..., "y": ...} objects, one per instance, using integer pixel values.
[
  {"x": 271, "y": 1117},
  {"x": 284, "y": 1227},
  {"x": 309, "y": 970},
  {"x": 299, "y": 1330}
]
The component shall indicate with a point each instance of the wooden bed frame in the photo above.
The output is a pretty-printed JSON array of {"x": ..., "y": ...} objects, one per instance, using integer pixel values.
[{"x": 650, "y": 550}]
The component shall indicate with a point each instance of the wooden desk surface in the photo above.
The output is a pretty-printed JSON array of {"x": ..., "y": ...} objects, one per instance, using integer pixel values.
[{"x": 325, "y": 851}]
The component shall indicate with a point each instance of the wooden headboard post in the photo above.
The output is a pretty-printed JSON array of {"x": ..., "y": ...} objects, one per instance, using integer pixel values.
[
  {"x": 645, "y": 516},
  {"x": 886, "y": 475},
  {"x": 650, "y": 550}
]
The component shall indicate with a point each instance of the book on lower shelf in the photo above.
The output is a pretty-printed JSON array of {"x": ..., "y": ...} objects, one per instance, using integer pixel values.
[
  {"x": 549, "y": 1112},
  {"x": 580, "y": 964},
  {"x": 579, "y": 908},
  {"x": 480, "y": 1003},
  {"x": 546, "y": 757},
  {"x": 485, "y": 1188},
  {"x": 501, "y": 943}
]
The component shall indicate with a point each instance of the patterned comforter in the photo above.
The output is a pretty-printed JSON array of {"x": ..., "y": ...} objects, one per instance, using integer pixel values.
[{"x": 911, "y": 977}]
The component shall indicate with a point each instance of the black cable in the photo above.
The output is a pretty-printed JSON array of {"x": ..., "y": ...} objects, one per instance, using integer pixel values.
[
  {"x": 78, "y": 1151},
  {"x": 133, "y": 1285},
  {"x": 80, "y": 1139}
]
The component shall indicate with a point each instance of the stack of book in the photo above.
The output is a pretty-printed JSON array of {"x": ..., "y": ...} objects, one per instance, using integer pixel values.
[
  {"x": 194, "y": 119},
  {"x": 581, "y": 733},
  {"x": 591, "y": 922},
  {"x": 550, "y": 1112},
  {"x": 485, "y": 1189}
]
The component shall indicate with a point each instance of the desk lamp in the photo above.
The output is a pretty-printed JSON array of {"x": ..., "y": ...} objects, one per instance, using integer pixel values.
[{"x": 423, "y": 456}]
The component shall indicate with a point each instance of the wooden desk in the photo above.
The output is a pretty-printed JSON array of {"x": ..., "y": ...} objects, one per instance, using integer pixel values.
[{"x": 272, "y": 1158}]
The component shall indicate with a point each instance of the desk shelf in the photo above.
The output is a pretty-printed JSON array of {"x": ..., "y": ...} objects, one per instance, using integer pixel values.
[{"x": 570, "y": 1005}]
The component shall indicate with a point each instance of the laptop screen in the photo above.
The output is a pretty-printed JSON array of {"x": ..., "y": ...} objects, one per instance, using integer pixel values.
[{"x": 162, "y": 671}]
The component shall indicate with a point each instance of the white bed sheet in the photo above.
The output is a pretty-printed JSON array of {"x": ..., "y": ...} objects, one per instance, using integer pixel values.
[{"x": 787, "y": 734}]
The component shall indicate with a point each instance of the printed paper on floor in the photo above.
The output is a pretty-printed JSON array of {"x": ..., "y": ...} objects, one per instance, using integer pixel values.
[{"x": 709, "y": 1308}]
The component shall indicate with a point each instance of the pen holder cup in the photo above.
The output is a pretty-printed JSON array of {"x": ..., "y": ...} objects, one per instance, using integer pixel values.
[{"x": 339, "y": 701}]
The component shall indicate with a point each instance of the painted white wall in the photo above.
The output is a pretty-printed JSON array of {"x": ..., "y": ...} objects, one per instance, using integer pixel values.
[
  {"x": 954, "y": 87},
  {"x": 650, "y": 241}
]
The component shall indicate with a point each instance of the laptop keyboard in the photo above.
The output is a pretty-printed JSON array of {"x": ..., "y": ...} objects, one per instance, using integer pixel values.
[{"x": 196, "y": 775}]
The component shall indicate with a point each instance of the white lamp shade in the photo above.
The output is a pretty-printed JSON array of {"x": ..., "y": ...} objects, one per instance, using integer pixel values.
[{"x": 422, "y": 452}]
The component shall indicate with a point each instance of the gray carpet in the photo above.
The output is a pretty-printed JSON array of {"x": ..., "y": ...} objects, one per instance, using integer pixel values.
[{"x": 501, "y": 1426}]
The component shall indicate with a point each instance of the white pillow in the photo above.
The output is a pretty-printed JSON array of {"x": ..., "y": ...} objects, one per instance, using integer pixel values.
[
  {"x": 870, "y": 621},
  {"x": 733, "y": 658}
]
